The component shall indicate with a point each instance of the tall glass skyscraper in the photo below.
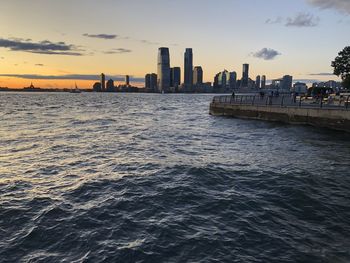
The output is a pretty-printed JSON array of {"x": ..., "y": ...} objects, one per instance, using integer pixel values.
[
  {"x": 188, "y": 68},
  {"x": 163, "y": 76},
  {"x": 245, "y": 76}
]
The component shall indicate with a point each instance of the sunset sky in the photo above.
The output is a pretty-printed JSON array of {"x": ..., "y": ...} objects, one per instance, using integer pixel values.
[{"x": 57, "y": 43}]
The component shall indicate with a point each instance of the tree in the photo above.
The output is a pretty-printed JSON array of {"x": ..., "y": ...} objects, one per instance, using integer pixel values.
[{"x": 341, "y": 65}]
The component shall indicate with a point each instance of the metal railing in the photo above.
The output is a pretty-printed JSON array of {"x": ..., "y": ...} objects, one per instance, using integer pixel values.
[{"x": 285, "y": 101}]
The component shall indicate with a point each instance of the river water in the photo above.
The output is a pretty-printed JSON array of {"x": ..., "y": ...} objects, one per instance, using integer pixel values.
[{"x": 97, "y": 177}]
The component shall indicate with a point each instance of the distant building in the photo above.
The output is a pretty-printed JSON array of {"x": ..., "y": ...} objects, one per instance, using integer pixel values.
[
  {"x": 151, "y": 82},
  {"x": 188, "y": 69},
  {"x": 103, "y": 82},
  {"x": 110, "y": 86},
  {"x": 245, "y": 76},
  {"x": 300, "y": 88},
  {"x": 163, "y": 81},
  {"x": 197, "y": 75},
  {"x": 225, "y": 81},
  {"x": 233, "y": 80},
  {"x": 127, "y": 80},
  {"x": 287, "y": 82},
  {"x": 97, "y": 87},
  {"x": 175, "y": 78},
  {"x": 257, "y": 82},
  {"x": 263, "y": 82}
]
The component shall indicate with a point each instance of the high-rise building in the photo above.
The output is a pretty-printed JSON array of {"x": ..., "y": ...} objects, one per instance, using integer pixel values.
[
  {"x": 197, "y": 75},
  {"x": 110, "y": 86},
  {"x": 188, "y": 68},
  {"x": 127, "y": 80},
  {"x": 287, "y": 82},
  {"x": 245, "y": 76},
  {"x": 175, "y": 77},
  {"x": 233, "y": 80},
  {"x": 257, "y": 82},
  {"x": 163, "y": 80},
  {"x": 103, "y": 82},
  {"x": 151, "y": 82},
  {"x": 263, "y": 82}
]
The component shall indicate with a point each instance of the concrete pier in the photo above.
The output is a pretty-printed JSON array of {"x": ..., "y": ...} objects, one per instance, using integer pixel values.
[{"x": 292, "y": 112}]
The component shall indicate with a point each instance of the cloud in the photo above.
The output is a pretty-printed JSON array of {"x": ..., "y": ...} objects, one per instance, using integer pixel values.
[
  {"x": 266, "y": 54},
  {"x": 144, "y": 41},
  {"x": 44, "y": 47},
  {"x": 72, "y": 77},
  {"x": 321, "y": 74},
  {"x": 302, "y": 20},
  {"x": 277, "y": 20},
  {"x": 118, "y": 51},
  {"x": 101, "y": 36},
  {"x": 39, "y": 65},
  {"x": 342, "y": 6}
]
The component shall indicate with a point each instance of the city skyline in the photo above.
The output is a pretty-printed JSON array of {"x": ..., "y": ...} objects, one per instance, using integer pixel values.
[{"x": 67, "y": 42}]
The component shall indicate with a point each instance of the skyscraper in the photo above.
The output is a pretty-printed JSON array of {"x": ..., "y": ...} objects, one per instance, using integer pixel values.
[
  {"x": 263, "y": 81},
  {"x": 245, "y": 76},
  {"x": 175, "y": 77},
  {"x": 197, "y": 75},
  {"x": 151, "y": 82},
  {"x": 163, "y": 79},
  {"x": 233, "y": 80},
  {"x": 257, "y": 82},
  {"x": 103, "y": 82},
  {"x": 188, "y": 68}
]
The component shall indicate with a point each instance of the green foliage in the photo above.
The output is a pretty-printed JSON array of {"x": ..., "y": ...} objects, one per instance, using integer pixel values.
[{"x": 341, "y": 65}]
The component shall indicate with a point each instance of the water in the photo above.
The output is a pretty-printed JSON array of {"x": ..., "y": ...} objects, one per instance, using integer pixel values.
[{"x": 155, "y": 178}]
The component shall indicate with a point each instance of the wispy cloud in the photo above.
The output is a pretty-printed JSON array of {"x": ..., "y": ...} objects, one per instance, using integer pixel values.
[
  {"x": 303, "y": 20},
  {"x": 101, "y": 36},
  {"x": 39, "y": 65},
  {"x": 342, "y": 6},
  {"x": 277, "y": 20},
  {"x": 72, "y": 77},
  {"x": 266, "y": 54},
  {"x": 322, "y": 74},
  {"x": 299, "y": 20},
  {"x": 118, "y": 51},
  {"x": 43, "y": 47}
]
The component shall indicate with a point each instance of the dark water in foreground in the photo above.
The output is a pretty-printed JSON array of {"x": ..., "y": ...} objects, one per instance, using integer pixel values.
[{"x": 152, "y": 178}]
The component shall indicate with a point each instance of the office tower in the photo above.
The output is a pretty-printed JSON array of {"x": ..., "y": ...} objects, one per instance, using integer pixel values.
[
  {"x": 197, "y": 75},
  {"x": 127, "y": 80},
  {"x": 233, "y": 80},
  {"x": 151, "y": 82},
  {"x": 257, "y": 82},
  {"x": 245, "y": 76},
  {"x": 175, "y": 77},
  {"x": 287, "y": 82},
  {"x": 163, "y": 80},
  {"x": 216, "y": 82},
  {"x": 110, "y": 86},
  {"x": 103, "y": 82},
  {"x": 188, "y": 67},
  {"x": 148, "y": 81},
  {"x": 263, "y": 81}
]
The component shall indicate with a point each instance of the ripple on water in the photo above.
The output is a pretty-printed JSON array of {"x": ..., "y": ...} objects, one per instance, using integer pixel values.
[{"x": 92, "y": 178}]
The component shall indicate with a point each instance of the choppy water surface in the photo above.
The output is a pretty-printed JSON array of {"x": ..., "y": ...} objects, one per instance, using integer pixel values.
[{"x": 155, "y": 178}]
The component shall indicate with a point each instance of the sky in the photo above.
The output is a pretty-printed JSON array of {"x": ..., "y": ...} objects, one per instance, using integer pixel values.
[{"x": 57, "y": 43}]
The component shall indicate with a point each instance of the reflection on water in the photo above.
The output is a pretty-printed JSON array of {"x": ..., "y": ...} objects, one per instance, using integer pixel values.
[{"x": 154, "y": 178}]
